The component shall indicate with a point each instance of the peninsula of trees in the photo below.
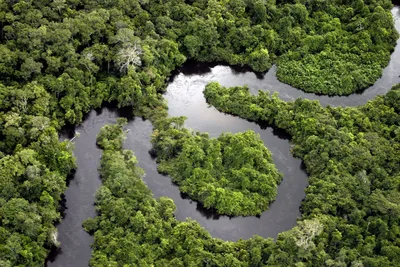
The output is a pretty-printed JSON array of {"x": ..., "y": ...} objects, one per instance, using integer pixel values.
[
  {"x": 352, "y": 156},
  {"x": 351, "y": 213},
  {"x": 233, "y": 173}
]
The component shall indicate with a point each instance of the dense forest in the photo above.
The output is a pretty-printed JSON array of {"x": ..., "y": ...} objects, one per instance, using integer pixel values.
[
  {"x": 60, "y": 59},
  {"x": 351, "y": 214},
  {"x": 233, "y": 173},
  {"x": 33, "y": 170},
  {"x": 352, "y": 156},
  {"x": 134, "y": 229}
]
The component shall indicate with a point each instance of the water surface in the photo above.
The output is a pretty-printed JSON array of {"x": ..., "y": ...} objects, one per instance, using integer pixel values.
[
  {"x": 199, "y": 74},
  {"x": 75, "y": 248}
]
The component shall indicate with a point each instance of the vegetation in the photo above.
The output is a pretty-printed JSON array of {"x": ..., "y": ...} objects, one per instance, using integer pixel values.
[
  {"x": 352, "y": 156},
  {"x": 33, "y": 167},
  {"x": 342, "y": 47},
  {"x": 60, "y": 59},
  {"x": 350, "y": 214},
  {"x": 134, "y": 229},
  {"x": 233, "y": 174}
]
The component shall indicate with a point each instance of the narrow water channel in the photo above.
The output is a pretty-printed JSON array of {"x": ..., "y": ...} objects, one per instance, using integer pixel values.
[
  {"x": 185, "y": 98},
  {"x": 199, "y": 74},
  {"x": 75, "y": 248}
]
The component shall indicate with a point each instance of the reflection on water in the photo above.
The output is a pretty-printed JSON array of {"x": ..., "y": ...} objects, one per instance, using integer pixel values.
[{"x": 185, "y": 98}]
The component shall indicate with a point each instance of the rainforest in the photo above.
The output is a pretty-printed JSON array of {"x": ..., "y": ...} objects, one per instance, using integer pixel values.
[{"x": 65, "y": 62}]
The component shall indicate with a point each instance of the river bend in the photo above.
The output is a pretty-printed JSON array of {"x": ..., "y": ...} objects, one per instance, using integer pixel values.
[{"x": 185, "y": 98}]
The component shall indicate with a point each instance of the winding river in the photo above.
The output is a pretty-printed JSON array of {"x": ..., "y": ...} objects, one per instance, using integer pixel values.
[{"x": 185, "y": 98}]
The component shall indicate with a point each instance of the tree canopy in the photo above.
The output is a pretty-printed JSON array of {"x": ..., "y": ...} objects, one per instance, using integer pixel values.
[
  {"x": 352, "y": 156},
  {"x": 233, "y": 173},
  {"x": 135, "y": 229},
  {"x": 349, "y": 216},
  {"x": 60, "y": 59}
]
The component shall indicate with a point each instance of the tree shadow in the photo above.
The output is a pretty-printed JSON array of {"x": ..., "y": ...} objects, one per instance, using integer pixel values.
[{"x": 210, "y": 213}]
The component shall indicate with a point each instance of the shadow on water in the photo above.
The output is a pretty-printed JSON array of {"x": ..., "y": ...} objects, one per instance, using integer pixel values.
[
  {"x": 185, "y": 97},
  {"x": 210, "y": 213}
]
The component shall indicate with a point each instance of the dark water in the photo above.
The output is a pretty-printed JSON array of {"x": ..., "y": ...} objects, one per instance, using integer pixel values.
[
  {"x": 185, "y": 97},
  {"x": 228, "y": 76},
  {"x": 187, "y": 100},
  {"x": 75, "y": 242},
  {"x": 282, "y": 213}
]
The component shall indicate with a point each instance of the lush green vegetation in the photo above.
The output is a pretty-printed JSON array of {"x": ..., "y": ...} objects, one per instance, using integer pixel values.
[
  {"x": 60, "y": 59},
  {"x": 351, "y": 213},
  {"x": 343, "y": 46},
  {"x": 233, "y": 173},
  {"x": 33, "y": 167},
  {"x": 134, "y": 229},
  {"x": 352, "y": 156}
]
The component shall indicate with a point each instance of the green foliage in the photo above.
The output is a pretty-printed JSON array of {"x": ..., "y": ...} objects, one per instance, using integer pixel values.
[
  {"x": 352, "y": 156},
  {"x": 342, "y": 50},
  {"x": 135, "y": 229},
  {"x": 233, "y": 174},
  {"x": 33, "y": 167},
  {"x": 111, "y": 136},
  {"x": 60, "y": 59},
  {"x": 31, "y": 184},
  {"x": 259, "y": 60}
]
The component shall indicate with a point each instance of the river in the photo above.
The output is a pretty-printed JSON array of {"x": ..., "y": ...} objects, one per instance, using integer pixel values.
[{"x": 185, "y": 98}]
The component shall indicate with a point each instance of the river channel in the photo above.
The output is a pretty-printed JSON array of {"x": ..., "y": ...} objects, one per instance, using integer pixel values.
[{"x": 185, "y": 98}]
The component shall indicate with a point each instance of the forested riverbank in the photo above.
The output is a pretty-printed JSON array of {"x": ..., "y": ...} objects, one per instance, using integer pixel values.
[
  {"x": 346, "y": 194},
  {"x": 134, "y": 228},
  {"x": 61, "y": 59},
  {"x": 352, "y": 156}
]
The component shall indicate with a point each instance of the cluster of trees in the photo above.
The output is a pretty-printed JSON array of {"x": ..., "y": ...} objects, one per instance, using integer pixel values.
[
  {"x": 135, "y": 229},
  {"x": 352, "y": 156},
  {"x": 85, "y": 53},
  {"x": 59, "y": 59},
  {"x": 33, "y": 167},
  {"x": 351, "y": 213},
  {"x": 233, "y": 173},
  {"x": 328, "y": 47},
  {"x": 343, "y": 45},
  {"x": 88, "y": 52}
]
